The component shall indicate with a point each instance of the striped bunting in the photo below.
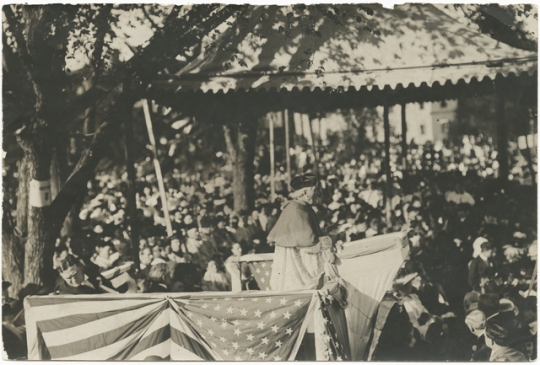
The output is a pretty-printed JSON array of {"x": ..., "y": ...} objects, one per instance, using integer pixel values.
[{"x": 146, "y": 326}]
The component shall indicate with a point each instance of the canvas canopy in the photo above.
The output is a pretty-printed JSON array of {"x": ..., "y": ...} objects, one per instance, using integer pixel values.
[{"x": 373, "y": 47}]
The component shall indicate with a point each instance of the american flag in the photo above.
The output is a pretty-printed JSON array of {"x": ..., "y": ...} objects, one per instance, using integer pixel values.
[
  {"x": 261, "y": 271},
  {"x": 336, "y": 349},
  {"x": 258, "y": 326}
]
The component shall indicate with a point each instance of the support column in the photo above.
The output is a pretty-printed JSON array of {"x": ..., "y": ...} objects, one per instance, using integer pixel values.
[
  {"x": 272, "y": 157},
  {"x": 132, "y": 189},
  {"x": 502, "y": 133},
  {"x": 157, "y": 166},
  {"x": 387, "y": 171},
  {"x": 287, "y": 144},
  {"x": 404, "y": 146},
  {"x": 529, "y": 152},
  {"x": 313, "y": 148}
]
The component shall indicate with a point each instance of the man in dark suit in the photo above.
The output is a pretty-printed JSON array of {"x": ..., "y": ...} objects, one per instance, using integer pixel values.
[
  {"x": 76, "y": 278},
  {"x": 482, "y": 266},
  {"x": 265, "y": 221}
]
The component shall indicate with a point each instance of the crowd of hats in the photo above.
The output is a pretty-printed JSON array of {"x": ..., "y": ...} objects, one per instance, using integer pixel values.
[{"x": 448, "y": 197}]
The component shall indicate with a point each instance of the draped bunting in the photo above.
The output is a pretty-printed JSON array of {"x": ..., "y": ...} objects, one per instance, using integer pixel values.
[
  {"x": 207, "y": 326},
  {"x": 256, "y": 325}
]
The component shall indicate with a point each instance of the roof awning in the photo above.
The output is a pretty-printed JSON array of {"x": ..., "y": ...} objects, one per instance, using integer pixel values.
[{"x": 410, "y": 45}]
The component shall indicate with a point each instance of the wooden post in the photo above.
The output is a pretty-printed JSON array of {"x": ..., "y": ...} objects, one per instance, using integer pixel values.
[
  {"x": 403, "y": 139},
  {"x": 132, "y": 189},
  {"x": 502, "y": 133},
  {"x": 387, "y": 171},
  {"x": 292, "y": 127},
  {"x": 157, "y": 167},
  {"x": 528, "y": 154},
  {"x": 302, "y": 128},
  {"x": 313, "y": 148},
  {"x": 287, "y": 144},
  {"x": 319, "y": 142},
  {"x": 272, "y": 158},
  {"x": 533, "y": 278}
]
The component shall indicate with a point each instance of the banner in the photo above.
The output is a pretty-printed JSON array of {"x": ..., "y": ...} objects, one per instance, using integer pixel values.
[
  {"x": 40, "y": 193},
  {"x": 255, "y": 326}
]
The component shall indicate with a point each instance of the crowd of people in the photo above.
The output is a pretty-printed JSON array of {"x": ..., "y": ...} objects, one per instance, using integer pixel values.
[{"x": 464, "y": 293}]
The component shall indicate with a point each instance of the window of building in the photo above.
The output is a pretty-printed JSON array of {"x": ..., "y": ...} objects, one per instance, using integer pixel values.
[{"x": 422, "y": 130}]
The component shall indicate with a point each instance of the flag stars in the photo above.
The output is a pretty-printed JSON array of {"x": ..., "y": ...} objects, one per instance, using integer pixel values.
[
  {"x": 235, "y": 345},
  {"x": 275, "y": 328},
  {"x": 260, "y": 325},
  {"x": 204, "y": 306},
  {"x": 265, "y": 340},
  {"x": 199, "y": 323},
  {"x": 250, "y": 337},
  {"x": 267, "y": 273},
  {"x": 213, "y": 319},
  {"x": 262, "y": 355},
  {"x": 279, "y": 343},
  {"x": 236, "y": 322},
  {"x": 237, "y": 332},
  {"x": 250, "y": 351},
  {"x": 298, "y": 303},
  {"x": 238, "y": 358},
  {"x": 327, "y": 338},
  {"x": 217, "y": 307},
  {"x": 258, "y": 313},
  {"x": 223, "y": 339},
  {"x": 243, "y": 311},
  {"x": 277, "y": 358},
  {"x": 230, "y": 310},
  {"x": 255, "y": 299},
  {"x": 268, "y": 300},
  {"x": 224, "y": 325},
  {"x": 211, "y": 332},
  {"x": 189, "y": 314},
  {"x": 258, "y": 271},
  {"x": 282, "y": 301},
  {"x": 287, "y": 315},
  {"x": 289, "y": 331},
  {"x": 263, "y": 280},
  {"x": 226, "y": 352},
  {"x": 263, "y": 264},
  {"x": 273, "y": 314}
]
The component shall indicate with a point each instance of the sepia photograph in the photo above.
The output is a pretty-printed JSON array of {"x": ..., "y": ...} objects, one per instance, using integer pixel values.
[{"x": 292, "y": 182}]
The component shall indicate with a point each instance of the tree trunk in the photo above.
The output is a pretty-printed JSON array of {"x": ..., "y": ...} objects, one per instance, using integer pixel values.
[
  {"x": 12, "y": 255},
  {"x": 241, "y": 154},
  {"x": 21, "y": 229},
  {"x": 36, "y": 255}
]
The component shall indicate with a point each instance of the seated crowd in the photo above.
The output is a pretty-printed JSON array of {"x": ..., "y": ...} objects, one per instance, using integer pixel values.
[{"x": 463, "y": 294}]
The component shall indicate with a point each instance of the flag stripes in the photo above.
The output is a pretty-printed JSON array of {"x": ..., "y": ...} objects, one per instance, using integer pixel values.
[
  {"x": 258, "y": 326},
  {"x": 74, "y": 320}
]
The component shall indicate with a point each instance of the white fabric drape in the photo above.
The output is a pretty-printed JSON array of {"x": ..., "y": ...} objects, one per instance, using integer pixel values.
[{"x": 295, "y": 269}]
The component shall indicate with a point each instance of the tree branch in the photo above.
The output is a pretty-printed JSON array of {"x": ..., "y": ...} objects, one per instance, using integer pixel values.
[
  {"x": 148, "y": 17},
  {"x": 21, "y": 43}
]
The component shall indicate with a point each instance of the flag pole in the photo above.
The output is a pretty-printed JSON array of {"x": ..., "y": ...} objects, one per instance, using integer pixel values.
[
  {"x": 287, "y": 144},
  {"x": 272, "y": 159},
  {"x": 157, "y": 166}
]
